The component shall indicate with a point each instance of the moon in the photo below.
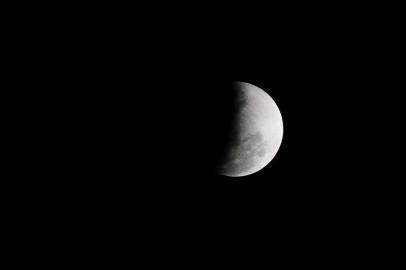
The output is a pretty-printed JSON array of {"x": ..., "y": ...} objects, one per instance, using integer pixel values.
[{"x": 256, "y": 134}]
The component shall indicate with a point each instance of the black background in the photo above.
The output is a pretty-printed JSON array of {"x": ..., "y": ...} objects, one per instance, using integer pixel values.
[
  {"x": 155, "y": 110},
  {"x": 139, "y": 112},
  {"x": 152, "y": 109}
]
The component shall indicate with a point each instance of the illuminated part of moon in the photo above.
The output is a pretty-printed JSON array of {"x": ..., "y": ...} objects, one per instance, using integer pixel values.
[{"x": 257, "y": 132}]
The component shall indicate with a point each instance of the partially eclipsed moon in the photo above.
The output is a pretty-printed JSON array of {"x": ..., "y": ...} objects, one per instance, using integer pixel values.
[{"x": 257, "y": 132}]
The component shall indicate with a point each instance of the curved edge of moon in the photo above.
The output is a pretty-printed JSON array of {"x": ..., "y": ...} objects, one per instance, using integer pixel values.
[{"x": 259, "y": 133}]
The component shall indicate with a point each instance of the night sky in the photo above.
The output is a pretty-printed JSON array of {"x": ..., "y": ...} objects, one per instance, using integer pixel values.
[{"x": 149, "y": 112}]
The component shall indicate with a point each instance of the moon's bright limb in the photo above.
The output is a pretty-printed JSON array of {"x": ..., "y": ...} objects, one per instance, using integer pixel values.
[{"x": 257, "y": 133}]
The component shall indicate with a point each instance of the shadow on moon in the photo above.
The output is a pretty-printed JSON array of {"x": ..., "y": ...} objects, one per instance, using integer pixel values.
[{"x": 255, "y": 131}]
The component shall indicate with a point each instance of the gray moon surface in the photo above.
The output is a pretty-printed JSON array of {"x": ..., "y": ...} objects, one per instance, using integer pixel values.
[{"x": 257, "y": 132}]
